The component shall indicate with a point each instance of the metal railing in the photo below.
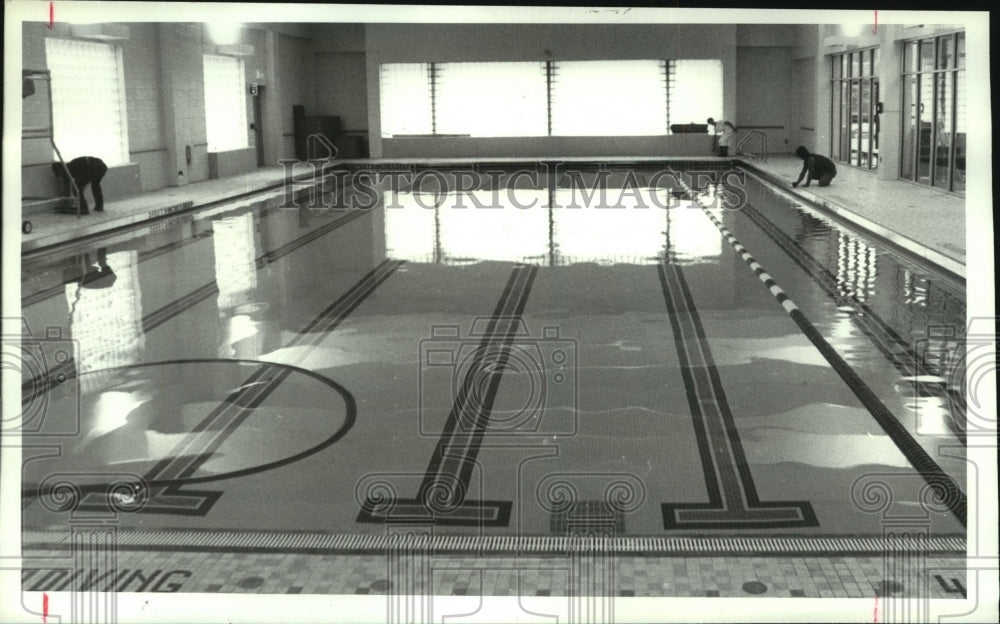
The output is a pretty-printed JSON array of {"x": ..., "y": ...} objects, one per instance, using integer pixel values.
[
  {"x": 762, "y": 156},
  {"x": 38, "y": 123}
]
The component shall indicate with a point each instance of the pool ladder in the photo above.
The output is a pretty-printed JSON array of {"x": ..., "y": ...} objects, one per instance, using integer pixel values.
[
  {"x": 319, "y": 147},
  {"x": 762, "y": 156}
]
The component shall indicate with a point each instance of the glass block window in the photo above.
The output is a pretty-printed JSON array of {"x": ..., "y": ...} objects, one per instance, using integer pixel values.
[
  {"x": 551, "y": 98},
  {"x": 406, "y": 99},
  {"x": 491, "y": 99},
  {"x": 225, "y": 103},
  {"x": 609, "y": 98},
  {"x": 695, "y": 90},
  {"x": 88, "y": 100}
]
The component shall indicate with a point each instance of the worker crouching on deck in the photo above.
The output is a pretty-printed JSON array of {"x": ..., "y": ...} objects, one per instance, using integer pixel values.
[{"x": 819, "y": 168}]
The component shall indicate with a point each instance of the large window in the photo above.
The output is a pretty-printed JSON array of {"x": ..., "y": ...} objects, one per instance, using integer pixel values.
[
  {"x": 552, "y": 98},
  {"x": 694, "y": 91},
  {"x": 88, "y": 100},
  {"x": 225, "y": 103},
  {"x": 406, "y": 99},
  {"x": 933, "y": 81},
  {"x": 609, "y": 98},
  {"x": 855, "y": 114},
  {"x": 490, "y": 99}
]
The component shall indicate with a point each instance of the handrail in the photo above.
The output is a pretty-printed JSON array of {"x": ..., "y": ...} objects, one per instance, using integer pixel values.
[
  {"x": 763, "y": 145},
  {"x": 48, "y": 130},
  {"x": 316, "y": 141}
]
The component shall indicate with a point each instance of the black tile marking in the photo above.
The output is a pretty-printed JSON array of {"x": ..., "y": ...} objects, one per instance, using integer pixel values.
[
  {"x": 955, "y": 587},
  {"x": 167, "y": 476},
  {"x": 588, "y": 517},
  {"x": 443, "y": 489},
  {"x": 944, "y": 486},
  {"x": 733, "y": 500}
]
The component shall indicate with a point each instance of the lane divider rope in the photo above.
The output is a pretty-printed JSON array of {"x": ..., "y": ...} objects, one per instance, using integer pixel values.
[{"x": 949, "y": 494}]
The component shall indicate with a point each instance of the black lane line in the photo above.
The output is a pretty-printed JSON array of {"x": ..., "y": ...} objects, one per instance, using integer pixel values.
[
  {"x": 893, "y": 347},
  {"x": 943, "y": 485},
  {"x": 59, "y": 373},
  {"x": 211, "y": 432},
  {"x": 442, "y": 494},
  {"x": 349, "y": 419},
  {"x": 254, "y": 393},
  {"x": 733, "y": 500},
  {"x": 459, "y": 445}
]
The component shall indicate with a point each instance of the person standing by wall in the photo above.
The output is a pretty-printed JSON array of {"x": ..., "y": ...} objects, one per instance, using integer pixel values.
[{"x": 724, "y": 133}]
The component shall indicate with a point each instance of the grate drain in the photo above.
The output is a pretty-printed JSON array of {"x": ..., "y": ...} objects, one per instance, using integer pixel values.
[{"x": 588, "y": 518}]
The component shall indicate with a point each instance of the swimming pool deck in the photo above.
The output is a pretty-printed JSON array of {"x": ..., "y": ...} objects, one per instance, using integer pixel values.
[{"x": 925, "y": 221}]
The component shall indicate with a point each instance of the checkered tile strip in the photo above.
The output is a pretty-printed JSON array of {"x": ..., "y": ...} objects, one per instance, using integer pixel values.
[{"x": 324, "y": 542}]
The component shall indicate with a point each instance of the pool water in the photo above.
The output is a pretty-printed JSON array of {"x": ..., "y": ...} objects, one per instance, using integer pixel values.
[{"x": 494, "y": 352}]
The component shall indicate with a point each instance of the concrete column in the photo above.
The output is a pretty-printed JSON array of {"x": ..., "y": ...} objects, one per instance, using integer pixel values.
[
  {"x": 730, "y": 80},
  {"x": 373, "y": 60},
  {"x": 822, "y": 76},
  {"x": 183, "y": 94},
  {"x": 890, "y": 94},
  {"x": 271, "y": 105}
]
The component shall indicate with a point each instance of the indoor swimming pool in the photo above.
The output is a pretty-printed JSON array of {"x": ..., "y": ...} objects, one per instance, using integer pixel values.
[{"x": 513, "y": 353}]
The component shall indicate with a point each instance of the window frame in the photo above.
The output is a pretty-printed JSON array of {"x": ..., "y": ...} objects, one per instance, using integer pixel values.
[
  {"x": 122, "y": 152},
  {"x": 666, "y": 72},
  {"x": 857, "y": 74},
  {"x": 955, "y": 67},
  {"x": 241, "y": 89}
]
